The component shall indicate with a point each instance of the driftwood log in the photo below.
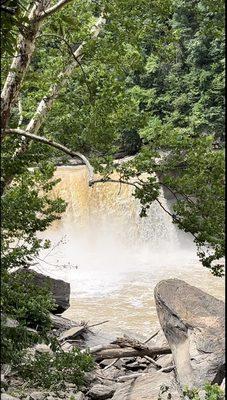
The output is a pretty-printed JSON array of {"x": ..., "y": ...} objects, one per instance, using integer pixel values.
[
  {"x": 126, "y": 347},
  {"x": 120, "y": 352}
]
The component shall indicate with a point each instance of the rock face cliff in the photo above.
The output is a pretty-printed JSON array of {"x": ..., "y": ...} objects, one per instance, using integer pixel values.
[{"x": 193, "y": 323}]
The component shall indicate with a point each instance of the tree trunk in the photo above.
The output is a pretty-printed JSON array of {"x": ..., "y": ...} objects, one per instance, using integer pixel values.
[{"x": 21, "y": 61}]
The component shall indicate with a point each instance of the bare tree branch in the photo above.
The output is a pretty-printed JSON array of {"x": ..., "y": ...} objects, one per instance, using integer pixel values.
[
  {"x": 56, "y": 145},
  {"x": 52, "y": 9},
  {"x": 136, "y": 184}
]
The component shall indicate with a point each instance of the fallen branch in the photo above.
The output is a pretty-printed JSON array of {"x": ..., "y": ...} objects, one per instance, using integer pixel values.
[
  {"x": 129, "y": 352},
  {"x": 153, "y": 362},
  {"x": 151, "y": 337},
  {"x": 99, "y": 348},
  {"x": 148, "y": 358},
  {"x": 99, "y": 323},
  {"x": 111, "y": 364}
]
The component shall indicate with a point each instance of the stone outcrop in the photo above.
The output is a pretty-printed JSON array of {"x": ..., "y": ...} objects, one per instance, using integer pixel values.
[
  {"x": 59, "y": 288},
  {"x": 193, "y": 323}
]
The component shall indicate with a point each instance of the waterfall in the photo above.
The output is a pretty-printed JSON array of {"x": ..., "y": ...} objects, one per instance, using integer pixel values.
[
  {"x": 101, "y": 237},
  {"x": 109, "y": 211}
]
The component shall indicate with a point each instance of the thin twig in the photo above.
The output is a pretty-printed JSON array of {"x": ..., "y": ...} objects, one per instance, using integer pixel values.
[
  {"x": 110, "y": 365},
  {"x": 99, "y": 323},
  {"x": 158, "y": 366},
  {"x": 151, "y": 337}
]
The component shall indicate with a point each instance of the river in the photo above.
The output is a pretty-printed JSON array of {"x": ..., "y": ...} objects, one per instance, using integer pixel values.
[{"x": 113, "y": 258}]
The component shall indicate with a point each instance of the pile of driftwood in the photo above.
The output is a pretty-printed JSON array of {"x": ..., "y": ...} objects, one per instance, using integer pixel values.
[
  {"x": 121, "y": 348},
  {"x": 127, "y": 347}
]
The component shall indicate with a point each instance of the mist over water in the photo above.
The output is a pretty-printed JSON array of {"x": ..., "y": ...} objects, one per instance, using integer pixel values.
[{"x": 112, "y": 257}]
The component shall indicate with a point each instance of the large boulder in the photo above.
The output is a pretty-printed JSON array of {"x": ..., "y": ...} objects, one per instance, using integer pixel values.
[
  {"x": 193, "y": 323},
  {"x": 59, "y": 288}
]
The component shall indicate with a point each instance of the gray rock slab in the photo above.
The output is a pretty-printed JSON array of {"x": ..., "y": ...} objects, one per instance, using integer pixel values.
[{"x": 193, "y": 323}]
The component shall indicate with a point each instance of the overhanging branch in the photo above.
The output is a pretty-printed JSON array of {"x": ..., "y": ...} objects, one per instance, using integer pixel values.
[
  {"x": 56, "y": 145},
  {"x": 138, "y": 185},
  {"x": 52, "y": 9}
]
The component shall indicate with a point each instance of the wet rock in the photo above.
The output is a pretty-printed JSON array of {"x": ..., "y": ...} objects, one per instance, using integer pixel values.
[
  {"x": 101, "y": 392},
  {"x": 149, "y": 387},
  {"x": 193, "y": 323},
  {"x": 59, "y": 288}
]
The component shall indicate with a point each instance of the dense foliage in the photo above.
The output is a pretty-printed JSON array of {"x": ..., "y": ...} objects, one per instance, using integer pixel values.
[{"x": 53, "y": 370}]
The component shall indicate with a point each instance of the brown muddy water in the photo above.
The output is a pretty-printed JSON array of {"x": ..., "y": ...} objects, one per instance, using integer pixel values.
[{"x": 113, "y": 259}]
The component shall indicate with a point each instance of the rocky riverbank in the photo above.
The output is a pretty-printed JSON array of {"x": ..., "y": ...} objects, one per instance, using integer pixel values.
[{"x": 188, "y": 350}]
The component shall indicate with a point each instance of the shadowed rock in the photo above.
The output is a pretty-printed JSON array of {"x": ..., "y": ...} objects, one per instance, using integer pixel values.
[
  {"x": 59, "y": 288},
  {"x": 193, "y": 323}
]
